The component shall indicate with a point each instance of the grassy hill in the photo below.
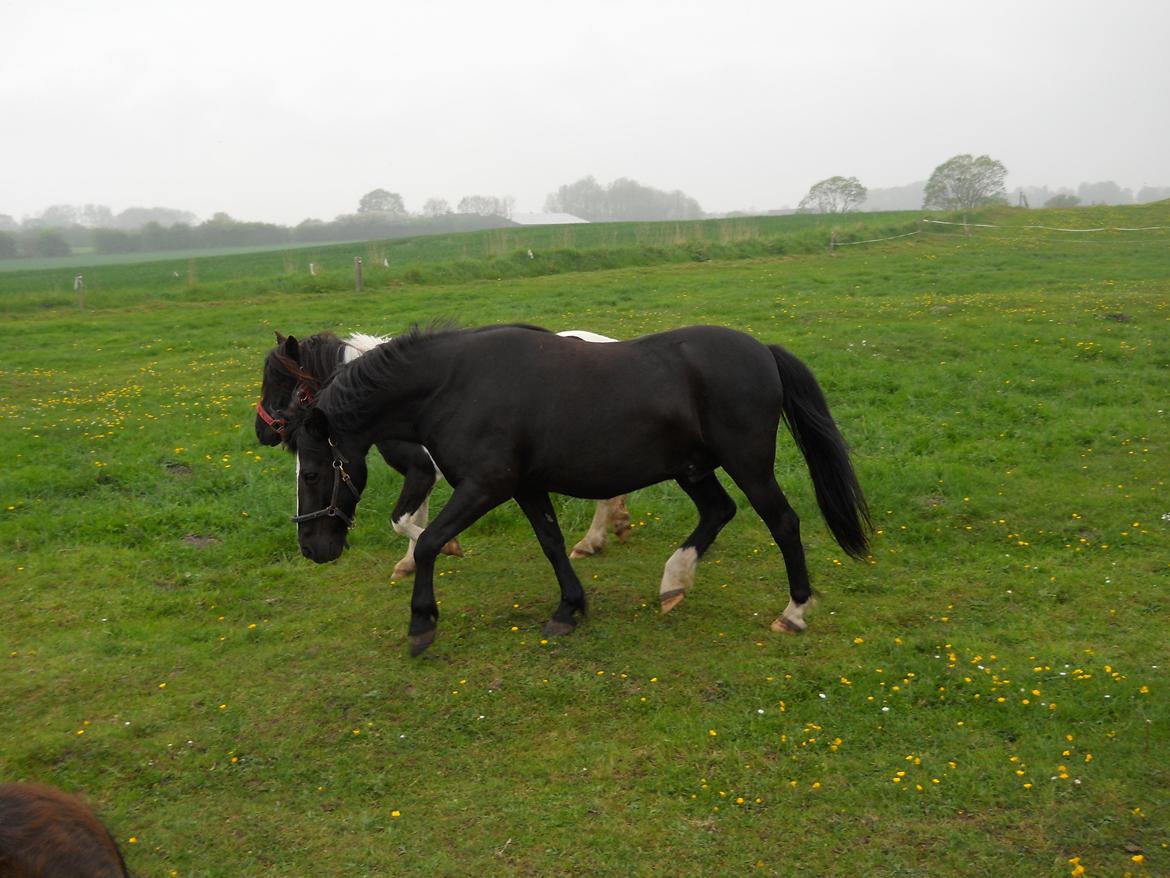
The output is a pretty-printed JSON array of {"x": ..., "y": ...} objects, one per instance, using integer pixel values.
[{"x": 987, "y": 693}]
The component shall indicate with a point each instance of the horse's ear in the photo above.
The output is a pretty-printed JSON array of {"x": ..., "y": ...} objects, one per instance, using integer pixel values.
[
  {"x": 317, "y": 424},
  {"x": 279, "y": 338},
  {"x": 290, "y": 348}
]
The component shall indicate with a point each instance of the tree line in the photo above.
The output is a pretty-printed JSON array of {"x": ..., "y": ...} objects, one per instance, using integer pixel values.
[
  {"x": 965, "y": 182},
  {"x": 380, "y": 213},
  {"x": 62, "y": 229}
]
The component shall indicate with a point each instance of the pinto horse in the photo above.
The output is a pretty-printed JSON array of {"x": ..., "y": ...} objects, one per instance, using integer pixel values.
[
  {"x": 45, "y": 833},
  {"x": 498, "y": 411},
  {"x": 294, "y": 372}
]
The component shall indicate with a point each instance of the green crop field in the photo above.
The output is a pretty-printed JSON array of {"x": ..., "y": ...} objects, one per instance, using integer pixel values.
[{"x": 986, "y": 695}]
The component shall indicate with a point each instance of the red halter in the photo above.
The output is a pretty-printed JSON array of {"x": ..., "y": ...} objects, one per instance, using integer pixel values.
[{"x": 303, "y": 397}]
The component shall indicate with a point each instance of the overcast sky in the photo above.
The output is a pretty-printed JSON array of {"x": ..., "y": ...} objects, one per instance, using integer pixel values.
[{"x": 280, "y": 111}]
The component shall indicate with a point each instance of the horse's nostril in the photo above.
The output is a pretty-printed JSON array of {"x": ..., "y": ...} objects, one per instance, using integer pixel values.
[{"x": 307, "y": 551}]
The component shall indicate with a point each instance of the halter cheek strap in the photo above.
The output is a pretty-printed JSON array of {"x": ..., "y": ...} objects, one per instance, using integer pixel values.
[{"x": 340, "y": 477}]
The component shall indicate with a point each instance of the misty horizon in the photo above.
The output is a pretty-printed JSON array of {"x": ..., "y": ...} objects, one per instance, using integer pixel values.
[{"x": 293, "y": 113}]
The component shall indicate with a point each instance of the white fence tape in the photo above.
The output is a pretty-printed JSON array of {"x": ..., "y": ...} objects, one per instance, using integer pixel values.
[
  {"x": 835, "y": 243},
  {"x": 1048, "y": 228}
]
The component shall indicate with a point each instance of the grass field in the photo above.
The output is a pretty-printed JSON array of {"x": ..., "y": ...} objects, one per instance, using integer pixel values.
[{"x": 988, "y": 694}]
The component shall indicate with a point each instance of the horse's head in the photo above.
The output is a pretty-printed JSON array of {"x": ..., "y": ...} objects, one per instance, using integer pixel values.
[
  {"x": 331, "y": 474},
  {"x": 282, "y": 386}
]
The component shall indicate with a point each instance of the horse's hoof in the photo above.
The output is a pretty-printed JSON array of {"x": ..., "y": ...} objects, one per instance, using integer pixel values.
[
  {"x": 580, "y": 551},
  {"x": 402, "y": 570},
  {"x": 668, "y": 600},
  {"x": 553, "y": 628},
  {"x": 419, "y": 642},
  {"x": 785, "y": 625},
  {"x": 623, "y": 534},
  {"x": 453, "y": 548}
]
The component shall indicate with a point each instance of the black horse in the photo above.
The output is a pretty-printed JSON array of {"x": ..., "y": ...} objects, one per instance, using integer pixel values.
[
  {"x": 294, "y": 372},
  {"x": 497, "y": 411}
]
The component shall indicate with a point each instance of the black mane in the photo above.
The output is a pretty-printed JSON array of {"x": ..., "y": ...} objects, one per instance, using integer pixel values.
[{"x": 346, "y": 389}]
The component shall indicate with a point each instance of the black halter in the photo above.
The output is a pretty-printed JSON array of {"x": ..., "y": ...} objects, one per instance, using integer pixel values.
[{"x": 340, "y": 477}]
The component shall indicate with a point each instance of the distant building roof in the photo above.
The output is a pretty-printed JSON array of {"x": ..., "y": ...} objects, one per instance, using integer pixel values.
[{"x": 545, "y": 219}]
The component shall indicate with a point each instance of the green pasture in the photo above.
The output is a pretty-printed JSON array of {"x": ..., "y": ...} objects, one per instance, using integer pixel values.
[{"x": 986, "y": 695}]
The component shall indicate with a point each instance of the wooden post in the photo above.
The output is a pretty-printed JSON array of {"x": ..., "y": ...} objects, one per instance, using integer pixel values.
[
  {"x": 79, "y": 288},
  {"x": 357, "y": 273}
]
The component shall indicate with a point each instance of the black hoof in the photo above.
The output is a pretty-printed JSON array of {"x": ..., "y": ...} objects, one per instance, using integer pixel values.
[
  {"x": 419, "y": 642},
  {"x": 553, "y": 628}
]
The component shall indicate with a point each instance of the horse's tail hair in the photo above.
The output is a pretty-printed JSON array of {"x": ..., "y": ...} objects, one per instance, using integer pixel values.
[{"x": 839, "y": 495}]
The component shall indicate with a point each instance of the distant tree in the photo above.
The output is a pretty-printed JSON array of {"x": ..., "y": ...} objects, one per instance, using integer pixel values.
[
  {"x": 965, "y": 182},
  {"x": 50, "y": 242},
  {"x": 1106, "y": 192},
  {"x": 436, "y": 207},
  {"x": 1144, "y": 196},
  {"x": 8, "y": 224},
  {"x": 96, "y": 216},
  {"x": 623, "y": 199},
  {"x": 629, "y": 200},
  {"x": 486, "y": 205},
  {"x": 834, "y": 195},
  {"x": 586, "y": 198},
  {"x": 381, "y": 201},
  {"x": 115, "y": 241},
  {"x": 58, "y": 216},
  {"x": 8, "y": 246},
  {"x": 136, "y": 217},
  {"x": 1064, "y": 199}
]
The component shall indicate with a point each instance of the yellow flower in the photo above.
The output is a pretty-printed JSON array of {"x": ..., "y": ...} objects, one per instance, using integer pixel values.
[
  {"x": 396, "y": 814},
  {"x": 712, "y": 732}
]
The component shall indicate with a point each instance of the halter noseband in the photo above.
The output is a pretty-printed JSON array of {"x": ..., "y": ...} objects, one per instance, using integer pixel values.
[
  {"x": 277, "y": 421},
  {"x": 340, "y": 476}
]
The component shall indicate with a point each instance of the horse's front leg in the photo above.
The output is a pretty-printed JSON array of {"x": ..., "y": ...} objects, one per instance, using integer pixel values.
[
  {"x": 539, "y": 510},
  {"x": 467, "y": 504}
]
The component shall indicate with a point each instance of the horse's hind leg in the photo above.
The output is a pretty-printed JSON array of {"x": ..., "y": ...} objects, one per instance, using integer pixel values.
[
  {"x": 410, "y": 514},
  {"x": 619, "y": 517},
  {"x": 784, "y": 525},
  {"x": 595, "y": 538},
  {"x": 716, "y": 508},
  {"x": 409, "y": 517},
  {"x": 543, "y": 519},
  {"x": 608, "y": 513}
]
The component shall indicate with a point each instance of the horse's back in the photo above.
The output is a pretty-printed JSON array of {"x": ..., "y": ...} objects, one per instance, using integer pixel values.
[{"x": 598, "y": 419}]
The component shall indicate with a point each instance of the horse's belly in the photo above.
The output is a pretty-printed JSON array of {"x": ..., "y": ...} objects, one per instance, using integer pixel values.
[{"x": 599, "y": 473}]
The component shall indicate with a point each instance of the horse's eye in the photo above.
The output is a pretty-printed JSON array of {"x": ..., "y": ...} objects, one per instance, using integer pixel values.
[{"x": 310, "y": 477}]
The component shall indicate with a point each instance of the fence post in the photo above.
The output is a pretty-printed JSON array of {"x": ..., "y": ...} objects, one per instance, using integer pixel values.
[
  {"x": 79, "y": 288},
  {"x": 357, "y": 273}
]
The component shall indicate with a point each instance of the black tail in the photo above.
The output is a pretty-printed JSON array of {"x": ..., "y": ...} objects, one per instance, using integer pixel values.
[{"x": 838, "y": 494}]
